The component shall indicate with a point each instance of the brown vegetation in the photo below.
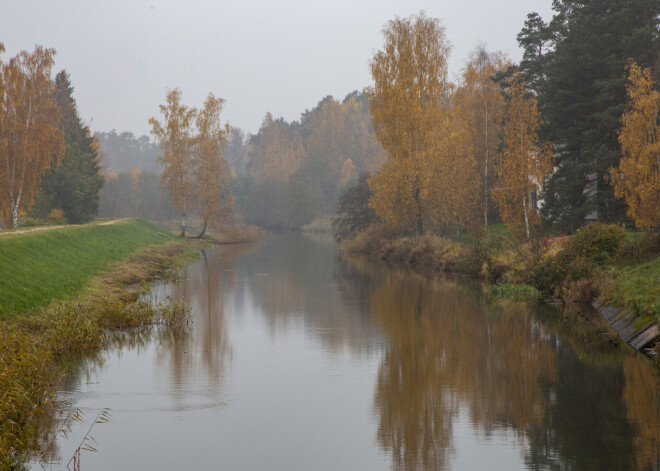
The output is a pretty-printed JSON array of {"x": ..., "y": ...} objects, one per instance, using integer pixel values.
[{"x": 34, "y": 346}]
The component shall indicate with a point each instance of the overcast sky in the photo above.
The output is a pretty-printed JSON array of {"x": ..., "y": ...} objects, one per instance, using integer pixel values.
[{"x": 281, "y": 56}]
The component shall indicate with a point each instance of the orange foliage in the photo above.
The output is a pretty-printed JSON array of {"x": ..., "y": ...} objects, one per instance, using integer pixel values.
[
  {"x": 410, "y": 76},
  {"x": 637, "y": 179},
  {"x": 523, "y": 163},
  {"x": 29, "y": 127},
  {"x": 174, "y": 136},
  {"x": 216, "y": 203}
]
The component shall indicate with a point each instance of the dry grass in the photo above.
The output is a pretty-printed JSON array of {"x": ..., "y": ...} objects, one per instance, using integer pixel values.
[
  {"x": 239, "y": 234},
  {"x": 428, "y": 251},
  {"x": 32, "y": 346}
]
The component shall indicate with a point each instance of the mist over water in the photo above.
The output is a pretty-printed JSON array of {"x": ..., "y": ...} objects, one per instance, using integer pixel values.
[{"x": 299, "y": 358}]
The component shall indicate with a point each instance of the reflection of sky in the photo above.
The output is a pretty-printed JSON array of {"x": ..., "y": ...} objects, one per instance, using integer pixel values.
[{"x": 292, "y": 370}]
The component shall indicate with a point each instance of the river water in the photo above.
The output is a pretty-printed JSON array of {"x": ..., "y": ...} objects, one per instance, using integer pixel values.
[{"x": 297, "y": 358}]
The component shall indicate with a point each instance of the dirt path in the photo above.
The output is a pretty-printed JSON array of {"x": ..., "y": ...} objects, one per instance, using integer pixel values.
[{"x": 48, "y": 228}]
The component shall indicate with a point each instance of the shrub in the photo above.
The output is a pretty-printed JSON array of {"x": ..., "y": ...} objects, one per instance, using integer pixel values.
[
  {"x": 353, "y": 212},
  {"x": 370, "y": 240},
  {"x": 580, "y": 291},
  {"x": 56, "y": 217},
  {"x": 592, "y": 246},
  {"x": 594, "y": 239}
]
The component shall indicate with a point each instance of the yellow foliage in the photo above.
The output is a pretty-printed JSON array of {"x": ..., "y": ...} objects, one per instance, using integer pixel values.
[
  {"x": 451, "y": 185},
  {"x": 276, "y": 156},
  {"x": 410, "y": 77},
  {"x": 523, "y": 163},
  {"x": 29, "y": 128},
  {"x": 482, "y": 99},
  {"x": 637, "y": 179},
  {"x": 174, "y": 136},
  {"x": 216, "y": 203}
]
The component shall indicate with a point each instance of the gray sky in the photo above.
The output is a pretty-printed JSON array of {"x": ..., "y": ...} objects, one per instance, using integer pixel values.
[{"x": 281, "y": 56}]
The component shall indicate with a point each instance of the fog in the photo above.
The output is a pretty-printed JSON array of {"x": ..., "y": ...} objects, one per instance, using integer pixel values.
[{"x": 260, "y": 56}]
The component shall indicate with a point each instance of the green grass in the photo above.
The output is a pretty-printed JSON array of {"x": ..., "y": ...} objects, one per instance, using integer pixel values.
[
  {"x": 638, "y": 286},
  {"x": 38, "y": 267},
  {"x": 518, "y": 291}
]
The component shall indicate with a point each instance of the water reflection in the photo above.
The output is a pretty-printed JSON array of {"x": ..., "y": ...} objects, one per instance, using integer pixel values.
[
  {"x": 452, "y": 353},
  {"x": 197, "y": 358},
  {"x": 299, "y": 358}
]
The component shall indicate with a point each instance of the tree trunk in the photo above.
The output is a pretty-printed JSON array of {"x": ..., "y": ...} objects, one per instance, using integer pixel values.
[
  {"x": 486, "y": 176},
  {"x": 453, "y": 204},
  {"x": 14, "y": 215},
  {"x": 15, "y": 204},
  {"x": 203, "y": 229},
  {"x": 525, "y": 211},
  {"x": 183, "y": 225}
]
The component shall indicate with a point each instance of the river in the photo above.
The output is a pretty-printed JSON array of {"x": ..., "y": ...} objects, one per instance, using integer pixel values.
[{"x": 297, "y": 358}]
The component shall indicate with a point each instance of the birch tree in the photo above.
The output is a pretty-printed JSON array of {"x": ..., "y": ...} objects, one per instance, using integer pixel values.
[
  {"x": 29, "y": 127},
  {"x": 482, "y": 99},
  {"x": 410, "y": 80},
  {"x": 637, "y": 179},
  {"x": 210, "y": 168},
  {"x": 174, "y": 135},
  {"x": 523, "y": 163}
]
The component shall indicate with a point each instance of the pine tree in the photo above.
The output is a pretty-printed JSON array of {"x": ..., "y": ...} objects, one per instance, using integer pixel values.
[{"x": 582, "y": 95}]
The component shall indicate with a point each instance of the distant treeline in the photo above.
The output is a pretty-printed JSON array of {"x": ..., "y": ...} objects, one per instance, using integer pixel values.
[
  {"x": 289, "y": 174},
  {"x": 123, "y": 151}
]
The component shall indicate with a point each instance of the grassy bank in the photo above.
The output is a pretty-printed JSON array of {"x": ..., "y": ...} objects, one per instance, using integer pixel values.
[
  {"x": 600, "y": 261},
  {"x": 37, "y": 267},
  {"x": 95, "y": 265}
]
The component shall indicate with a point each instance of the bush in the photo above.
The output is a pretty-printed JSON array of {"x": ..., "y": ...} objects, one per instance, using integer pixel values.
[
  {"x": 56, "y": 217},
  {"x": 353, "y": 212},
  {"x": 32, "y": 222},
  {"x": 370, "y": 240},
  {"x": 594, "y": 240},
  {"x": 592, "y": 246}
]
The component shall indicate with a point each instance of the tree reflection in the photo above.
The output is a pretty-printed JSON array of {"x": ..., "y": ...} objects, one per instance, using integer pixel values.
[
  {"x": 446, "y": 352},
  {"x": 508, "y": 366},
  {"x": 197, "y": 357}
]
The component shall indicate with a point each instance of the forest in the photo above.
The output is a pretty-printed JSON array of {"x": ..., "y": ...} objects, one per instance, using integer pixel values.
[{"x": 563, "y": 138}]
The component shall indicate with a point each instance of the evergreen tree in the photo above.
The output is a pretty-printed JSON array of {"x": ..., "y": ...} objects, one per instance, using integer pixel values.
[
  {"x": 582, "y": 94},
  {"x": 74, "y": 185}
]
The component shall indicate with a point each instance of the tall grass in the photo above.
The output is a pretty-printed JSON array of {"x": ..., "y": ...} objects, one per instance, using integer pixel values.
[{"x": 38, "y": 267}]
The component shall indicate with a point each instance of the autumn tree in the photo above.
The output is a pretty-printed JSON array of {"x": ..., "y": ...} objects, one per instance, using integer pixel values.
[
  {"x": 410, "y": 80},
  {"x": 29, "y": 127},
  {"x": 451, "y": 181},
  {"x": 637, "y": 179},
  {"x": 523, "y": 163},
  {"x": 577, "y": 62},
  {"x": 210, "y": 168},
  {"x": 73, "y": 183},
  {"x": 276, "y": 152},
  {"x": 482, "y": 99},
  {"x": 174, "y": 135}
]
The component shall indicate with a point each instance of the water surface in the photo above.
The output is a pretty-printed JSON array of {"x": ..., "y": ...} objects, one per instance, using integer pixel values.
[{"x": 299, "y": 359}]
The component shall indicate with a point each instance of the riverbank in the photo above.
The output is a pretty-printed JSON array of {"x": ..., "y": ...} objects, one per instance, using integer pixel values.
[
  {"x": 62, "y": 291},
  {"x": 600, "y": 262}
]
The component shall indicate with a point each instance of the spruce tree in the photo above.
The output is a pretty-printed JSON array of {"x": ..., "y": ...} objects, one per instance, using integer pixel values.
[
  {"x": 74, "y": 185},
  {"x": 581, "y": 87}
]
